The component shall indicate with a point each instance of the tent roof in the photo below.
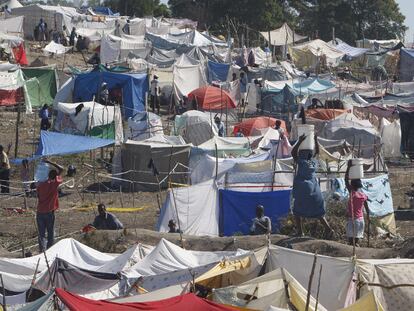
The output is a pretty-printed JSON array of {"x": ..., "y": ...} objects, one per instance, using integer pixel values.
[
  {"x": 178, "y": 303},
  {"x": 212, "y": 98},
  {"x": 282, "y": 36},
  {"x": 318, "y": 47},
  {"x": 347, "y": 49},
  {"x": 252, "y": 126},
  {"x": 12, "y": 4}
]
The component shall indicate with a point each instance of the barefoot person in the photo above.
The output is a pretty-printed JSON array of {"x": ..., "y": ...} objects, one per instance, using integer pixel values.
[
  {"x": 48, "y": 203},
  {"x": 308, "y": 200},
  {"x": 357, "y": 201}
]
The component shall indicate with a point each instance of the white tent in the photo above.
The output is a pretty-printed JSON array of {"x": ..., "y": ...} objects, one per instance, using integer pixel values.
[
  {"x": 12, "y": 4},
  {"x": 282, "y": 36},
  {"x": 12, "y": 25},
  {"x": 144, "y": 125},
  {"x": 194, "y": 208},
  {"x": 391, "y": 138}
]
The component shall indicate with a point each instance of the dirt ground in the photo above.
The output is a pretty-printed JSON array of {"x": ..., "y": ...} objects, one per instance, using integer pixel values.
[{"x": 17, "y": 225}]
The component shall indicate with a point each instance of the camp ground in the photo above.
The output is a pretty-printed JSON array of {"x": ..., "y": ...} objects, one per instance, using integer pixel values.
[{"x": 209, "y": 155}]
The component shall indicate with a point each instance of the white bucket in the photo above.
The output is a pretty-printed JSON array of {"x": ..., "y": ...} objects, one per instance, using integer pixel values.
[
  {"x": 309, "y": 131},
  {"x": 357, "y": 169}
]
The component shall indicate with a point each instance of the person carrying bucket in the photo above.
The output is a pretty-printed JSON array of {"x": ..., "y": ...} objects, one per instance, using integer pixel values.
[
  {"x": 307, "y": 195},
  {"x": 357, "y": 201}
]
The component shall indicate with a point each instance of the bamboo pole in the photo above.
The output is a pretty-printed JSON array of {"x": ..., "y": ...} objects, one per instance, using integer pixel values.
[
  {"x": 310, "y": 281},
  {"x": 33, "y": 279}
]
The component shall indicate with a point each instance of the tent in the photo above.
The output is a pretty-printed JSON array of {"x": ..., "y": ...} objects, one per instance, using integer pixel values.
[
  {"x": 13, "y": 25},
  {"x": 350, "y": 51},
  {"x": 282, "y": 36},
  {"x": 92, "y": 120},
  {"x": 12, "y": 88},
  {"x": 114, "y": 48},
  {"x": 195, "y": 126},
  {"x": 133, "y": 86},
  {"x": 406, "y": 73},
  {"x": 226, "y": 146},
  {"x": 195, "y": 209},
  {"x": 212, "y": 98},
  {"x": 144, "y": 160},
  {"x": 52, "y": 143},
  {"x": 217, "y": 71},
  {"x": 144, "y": 125},
  {"x": 307, "y": 55},
  {"x": 179, "y": 303},
  {"x": 42, "y": 84},
  {"x": 12, "y": 4},
  {"x": 391, "y": 138},
  {"x": 407, "y": 133},
  {"x": 324, "y": 114},
  {"x": 102, "y": 10},
  {"x": 253, "y": 126},
  {"x": 239, "y": 208}
]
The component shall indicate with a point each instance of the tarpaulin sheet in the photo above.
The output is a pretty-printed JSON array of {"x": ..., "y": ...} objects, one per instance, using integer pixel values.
[
  {"x": 282, "y": 36},
  {"x": 217, "y": 72},
  {"x": 253, "y": 126},
  {"x": 312, "y": 86},
  {"x": 239, "y": 208},
  {"x": 11, "y": 97},
  {"x": 12, "y": 25},
  {"x": 179, "y": 303},
  {"x": 378, "y": 191},
  {"x": 56, "y": 48},
  {"x": 52, "y": 143},
  {"x": 406, "y": 65},
  {"x": 391, "y": 138},
  {"x": 407, "y": 132},
  {"x": 212, "y": 98},
  {"x": 197, "y": 207},
  {"x": 325, "y": 114},
  {"x": 41, "y": 85},
  {"x": 134, "y": 87},
  {"x": 349, "y": 51}
]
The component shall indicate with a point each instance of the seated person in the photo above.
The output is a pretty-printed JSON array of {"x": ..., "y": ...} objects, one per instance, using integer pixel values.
[
  {"x": 105, "y": 220},
  {"x": 173, "y": 227},
  {"x": 261, "y": 223}
]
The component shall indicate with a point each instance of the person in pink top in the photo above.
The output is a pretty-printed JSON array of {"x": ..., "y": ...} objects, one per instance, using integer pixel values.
[{"x": 357, "y": 201}]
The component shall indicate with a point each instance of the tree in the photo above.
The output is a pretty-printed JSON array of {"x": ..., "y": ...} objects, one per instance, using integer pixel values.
[{"x": 139, "y": 8}]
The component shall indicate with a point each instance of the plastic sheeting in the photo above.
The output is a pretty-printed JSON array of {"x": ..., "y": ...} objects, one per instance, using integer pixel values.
[
  {"x": 226, "y": 146},
  {"x": 217, "y": 72},
  {"x": 41, "y": 84},
  {"x": 197, "y": 207},
  {"x": 56, "y": 48},
  {"x": 282, "y": 36},
  {"x": 12, "y": 25},
  {"x": 134, "y": 87},
  {"x": 391, "y": 138},
  {"x": 212, "y": 98},
  {"x": 406, "y": 65},
  {"x": 144, "y": 125},
  {"x": 239, "y": 209},
  {"x": 350, "y": 51},
  {"x": 335, "y": 280}
]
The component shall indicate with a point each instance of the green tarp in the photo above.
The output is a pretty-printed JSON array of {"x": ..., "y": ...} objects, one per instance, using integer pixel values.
[
  {"x": 106, "y": 131},
  {"x": 41, "y": 85}
]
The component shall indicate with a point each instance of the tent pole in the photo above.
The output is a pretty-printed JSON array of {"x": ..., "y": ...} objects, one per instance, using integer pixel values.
[
  {"x": 310, "y": 281},
  {"x": 34, "y": 279},
  {"x": 319, "y": 286},
  {"x": 16, "y": 145},
  {"x": 216, "y": 160}
]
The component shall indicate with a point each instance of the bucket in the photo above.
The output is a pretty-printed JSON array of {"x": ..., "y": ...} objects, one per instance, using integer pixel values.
[
  {"x": 42, "y": 172},
  {"x": 309, "y": 131},
  {"x": 357, "y": 169}
]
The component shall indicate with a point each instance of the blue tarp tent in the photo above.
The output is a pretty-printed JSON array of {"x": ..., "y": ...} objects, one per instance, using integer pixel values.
[
  {"x": 312, "y": 86},
  {"x": 134, "y": 87},
  {"x": 103, "y": 10},
  {"x": 406, "y": 65},
  {"x": 52, "y": 143},
  {"x": 239, "y": 208},
  {"x": 217, "y": 72}
]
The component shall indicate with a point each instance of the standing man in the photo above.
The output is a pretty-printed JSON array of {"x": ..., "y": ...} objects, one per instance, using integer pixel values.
[
  {"x": 4, "y": 170},
  {"x": 154, "y": 95},
  {"x": 72, "y": 37},
  {"x": 42, "y": 26},
  {"x": 243, "y": 89},
  {"x": 220, "y": 126},
  {"x": 44, "y": 118},
  {"x": 48, "y": 203},
  {"x": 261, "y": 224}
]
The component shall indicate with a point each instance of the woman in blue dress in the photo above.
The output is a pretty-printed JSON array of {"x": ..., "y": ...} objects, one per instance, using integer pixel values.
[{"x": 307, "y": 195}]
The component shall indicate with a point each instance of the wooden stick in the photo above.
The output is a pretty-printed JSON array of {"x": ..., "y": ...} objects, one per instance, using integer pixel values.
[
  {"x": 48, "y": 269},
  {"x": 16, "y": 145},
  {"x": 215, "y": 145},
  {"x": 3, "y": 293},
  {"x": 319, "y": 286},
  {"x": 310, "y": 281},
  {"x": 33, "y": 279}
]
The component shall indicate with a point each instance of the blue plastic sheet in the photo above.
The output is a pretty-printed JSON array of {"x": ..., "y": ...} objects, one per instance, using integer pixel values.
[
  {"x": 134, "y": 87},
  {"x": 52, "y": 143},
  {"x": 217, "y": 72},
  {"x": 406, "y": 65},
  {"x": 239, "y": 208},
  {"x": 378, "y": 191}
]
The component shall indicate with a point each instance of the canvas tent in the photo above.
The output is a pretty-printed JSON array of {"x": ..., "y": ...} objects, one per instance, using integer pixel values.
[
  {"x": 212, "y": 98},
  {"x": 282, "y": 36},
  {"x": 42, "y": 84}
]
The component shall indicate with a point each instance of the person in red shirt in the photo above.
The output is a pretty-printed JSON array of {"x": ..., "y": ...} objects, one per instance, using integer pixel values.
[
  {"x": 356, "y": 204},
  {"x": 48, "y": 203}
]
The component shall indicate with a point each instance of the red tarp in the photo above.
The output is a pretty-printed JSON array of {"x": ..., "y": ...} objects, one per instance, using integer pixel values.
[
  {"x": 252, "y": 127},
  {"x": 324, "y": 114},
  {"x": 212, "y": 98},
  {"x": 179, "y": 303},
  {"x": 20, "y": 55},
  {"x": 11, "y": 97}
]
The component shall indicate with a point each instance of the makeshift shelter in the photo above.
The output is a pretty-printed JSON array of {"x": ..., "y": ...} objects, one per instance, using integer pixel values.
[
  {"x": 212, "y": 98},
  {"x": 225, "y": 146},
  {"x": 133, "y": 86},
  {"x": 147, "y": 163},
  {"x": 391, "y": 138},
  {"x": 277, "y": 288},
  {"x": 217, "y": 71},
  {"x": 195, "y": 126},
  {"x": 89, "y": 119},
  {"x": 144, "y": 125},
  {"x": 56, "y": 48},
  {"x": 308, "y": 55},
  {"x": 42, "y": 84},
  {"x": 407, "y": 133},
  {"x": 13, "y": 25},
  {"x": 406, "y": 66},
  {"x": 239, "y": 208},
  {"x": 195, "y": 209},
  {"x": 282, "y": 36},
  {"x": 253, "y": 126},
  {"x": 349, "y": 51},
  {"x": 12, "y": 4},
  {"x": 12, "y": 89},
  {"x": 114, "y": 48},
  {"x": 179, "y": 303}
]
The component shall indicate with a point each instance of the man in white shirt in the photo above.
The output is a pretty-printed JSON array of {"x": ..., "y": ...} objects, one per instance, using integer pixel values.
[{"x": 154, "y": 95}]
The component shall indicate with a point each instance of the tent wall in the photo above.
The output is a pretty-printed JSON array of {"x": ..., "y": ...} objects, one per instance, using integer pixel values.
[
  {"x": 406, "y": 65},
  {"x": 41, "y": 83}
]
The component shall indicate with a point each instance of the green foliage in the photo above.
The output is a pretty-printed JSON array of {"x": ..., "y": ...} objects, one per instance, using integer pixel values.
[{"x": 138, "y": 8}]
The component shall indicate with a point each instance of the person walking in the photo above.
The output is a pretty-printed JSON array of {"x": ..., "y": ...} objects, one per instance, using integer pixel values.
[
  {"x": 44, "y": 118},
  {"x": 4, "y": 170},
  {"x": 48, "y": 203},
  {"x": 154, "y": 95},
  {"x": 307, "y": 195}
]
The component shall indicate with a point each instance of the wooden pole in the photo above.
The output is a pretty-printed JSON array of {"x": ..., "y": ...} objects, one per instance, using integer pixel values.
[
  {"x": 319, "y": 286},
  {"x": 215, "y": 145},
  {"x": 310, "y": 281},
  {"x": 178, "y": 219},
  {"x": 33, "y": 279},
  {"x": 16, "y": 145},
  {"x": 48, "y": 269}
]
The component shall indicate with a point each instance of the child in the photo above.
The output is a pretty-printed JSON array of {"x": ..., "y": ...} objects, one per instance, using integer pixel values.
[{"x": 357, "y": 201}]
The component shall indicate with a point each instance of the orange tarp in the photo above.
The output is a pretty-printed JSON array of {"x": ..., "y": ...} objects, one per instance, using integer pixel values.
[
  {"x": 212, "y": 98},
  {"x": 252, "y": 127},
  {"x": 325, "y": 114}
]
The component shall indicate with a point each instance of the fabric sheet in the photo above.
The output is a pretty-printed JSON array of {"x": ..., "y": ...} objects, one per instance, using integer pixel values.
[
  {"x": 12, "y": 25},
  {"x": 217, "y": 71},
  {"x": 55, "y": 48},
  {"x": 391, "y": 138},
  {"x": 197, "y": 207},
  {"x": 239, "y": 208},
  {"x": 336, "y": 275}
]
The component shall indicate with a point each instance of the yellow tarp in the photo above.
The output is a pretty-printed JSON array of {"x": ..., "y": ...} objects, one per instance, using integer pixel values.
[
  {"x": 367, "y": 302},
  {"x": 112, "y": 209}
]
